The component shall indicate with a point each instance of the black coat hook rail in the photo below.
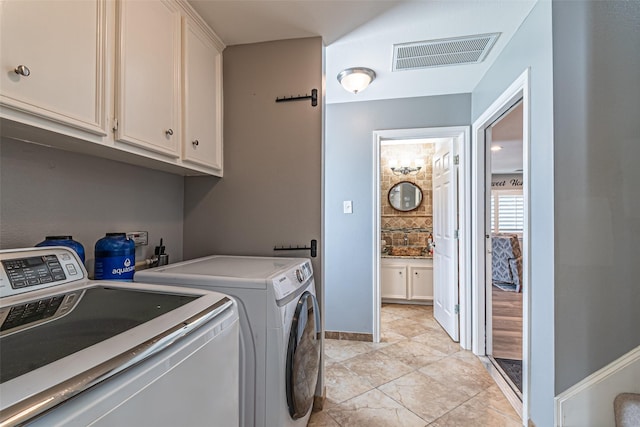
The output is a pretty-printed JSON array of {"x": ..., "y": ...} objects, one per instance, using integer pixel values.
[
  {"x": 313, "y": 248},
  {"x": 313, "y": 97}
]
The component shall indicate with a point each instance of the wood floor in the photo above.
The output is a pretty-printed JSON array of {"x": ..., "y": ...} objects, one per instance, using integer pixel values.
[{"x": 507, "y": 324}]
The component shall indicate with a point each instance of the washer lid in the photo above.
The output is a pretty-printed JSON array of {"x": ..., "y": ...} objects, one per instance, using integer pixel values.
[
  {"x": 228, "y": 266},
  {"x": 109, "y": 327}
]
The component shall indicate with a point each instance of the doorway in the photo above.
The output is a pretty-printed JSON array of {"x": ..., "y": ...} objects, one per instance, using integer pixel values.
[
  {"x": 406, "y": 264},
  {"x": 506, "y": 292},
  {"x": 504, "y": 213},
  {"x": 454, "y": 295}
]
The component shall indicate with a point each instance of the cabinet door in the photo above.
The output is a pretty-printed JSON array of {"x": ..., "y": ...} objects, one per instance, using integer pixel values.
[
  {"x": 202, "y": 83},
  {"x": 53, "y": 61},
  {"x": 393, "y": 282},
  {"x": 148, "y": 75},
  {"x": 421, "y": 283}
]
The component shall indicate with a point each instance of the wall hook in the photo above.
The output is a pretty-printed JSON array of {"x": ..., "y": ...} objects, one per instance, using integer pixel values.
[{"x": 313, "y": 97}]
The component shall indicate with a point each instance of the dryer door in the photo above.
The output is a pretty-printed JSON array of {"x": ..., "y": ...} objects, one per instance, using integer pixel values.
[{"x": 303, "y": 356}]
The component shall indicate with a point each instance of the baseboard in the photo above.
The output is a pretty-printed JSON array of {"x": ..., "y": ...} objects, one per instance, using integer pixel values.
[
  {"x": 589, "y": 403},
  {"x": 503, "y": 385},
  {"x": 404, "y": 301},
  {"x": 318, "y": 401},
  {"x": 350, "y": 336}
]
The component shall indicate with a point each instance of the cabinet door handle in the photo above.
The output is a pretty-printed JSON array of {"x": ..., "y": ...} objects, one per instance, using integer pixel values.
[
  {"x": 416, "y": 273},
  {"x": 23, "y": 70},
  {"x": 169, "y": 132},
  {"x": 196, "y": 143}
]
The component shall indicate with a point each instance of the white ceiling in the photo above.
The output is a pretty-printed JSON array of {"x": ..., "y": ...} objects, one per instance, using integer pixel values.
[
  {"x": 507, "y": 133},
  {"x": 362, "y": 33}
]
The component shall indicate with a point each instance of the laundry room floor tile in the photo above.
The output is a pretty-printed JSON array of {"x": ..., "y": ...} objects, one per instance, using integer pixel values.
[
  {"x": 424, "y": 396},
  {"x": 377, "y": 368},
  {"x": 412, "y": 353},
  {"x": 417, "y": 376},
  {"x": 341, "y": 350},
  {"x": 374, "y": 408},
  {"x": 468, "y": 378},
  {"x": 343, "y": 384}
]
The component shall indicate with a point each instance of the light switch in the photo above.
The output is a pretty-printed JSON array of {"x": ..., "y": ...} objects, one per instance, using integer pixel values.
[{"x": 347, "y": 207}]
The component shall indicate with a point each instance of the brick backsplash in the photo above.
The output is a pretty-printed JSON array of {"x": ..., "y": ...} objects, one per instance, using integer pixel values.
[{"x": 417, "y": 224}]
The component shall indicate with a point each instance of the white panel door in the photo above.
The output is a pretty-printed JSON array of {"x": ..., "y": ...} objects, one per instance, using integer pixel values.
[
  {"x": 202, "y": 77},
  {"x": 53, "y": 60},
  {"x": 445, "y": 220},
  {"x": 148, "y": 81}
]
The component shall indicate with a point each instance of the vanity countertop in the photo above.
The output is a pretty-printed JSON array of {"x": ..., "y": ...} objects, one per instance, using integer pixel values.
[{"x": 406, "y": 257}]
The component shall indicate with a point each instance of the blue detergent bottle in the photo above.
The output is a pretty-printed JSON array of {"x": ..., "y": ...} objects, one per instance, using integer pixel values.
[{"x": 115, "y": 258}]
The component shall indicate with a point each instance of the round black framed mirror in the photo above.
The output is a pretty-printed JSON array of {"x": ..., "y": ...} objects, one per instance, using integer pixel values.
[{"x": 405, "y": 196}]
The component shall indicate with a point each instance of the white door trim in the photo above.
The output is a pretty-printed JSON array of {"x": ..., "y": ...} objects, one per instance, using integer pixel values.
[
  {"x": 519, "y": 89},
  {"x": 462, "y": 136}
]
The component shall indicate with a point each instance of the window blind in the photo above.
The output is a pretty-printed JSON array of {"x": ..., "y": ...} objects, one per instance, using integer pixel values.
[{"x": 507, "y": 212}]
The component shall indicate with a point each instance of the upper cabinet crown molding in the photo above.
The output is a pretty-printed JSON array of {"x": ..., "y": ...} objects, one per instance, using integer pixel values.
[
  {"x": 109, "y": 82},
  {"x": 196, "y": 19}
]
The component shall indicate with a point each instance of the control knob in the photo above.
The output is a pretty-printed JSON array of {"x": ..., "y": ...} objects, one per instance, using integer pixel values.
[{"x": 300, "y": 275}]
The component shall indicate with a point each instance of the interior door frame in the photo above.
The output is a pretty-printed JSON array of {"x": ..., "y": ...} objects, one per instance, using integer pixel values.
[
  {"x": 519, "y": 89},
  {"x": 462, "y": 134}
]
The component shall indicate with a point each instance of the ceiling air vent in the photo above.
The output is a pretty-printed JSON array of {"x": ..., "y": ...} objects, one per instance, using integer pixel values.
[{"x": 442, "y": 52}]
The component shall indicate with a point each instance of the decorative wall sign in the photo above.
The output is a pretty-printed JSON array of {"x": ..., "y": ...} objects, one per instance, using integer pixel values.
[{"x": 506, "y": 181}]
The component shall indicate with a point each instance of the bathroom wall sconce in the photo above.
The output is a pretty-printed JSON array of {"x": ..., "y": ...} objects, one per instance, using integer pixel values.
[
  {"x": 356, "y": 79},
  {"x": 406, "y": 169}
]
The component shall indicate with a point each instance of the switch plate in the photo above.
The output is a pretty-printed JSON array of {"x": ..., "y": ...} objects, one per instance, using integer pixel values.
[
  {"x": 347, "y": 207},
  {"x": 140, "y": 238}
]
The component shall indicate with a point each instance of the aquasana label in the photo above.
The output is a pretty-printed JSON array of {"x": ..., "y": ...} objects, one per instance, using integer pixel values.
[{"x": 115, "y": 268}]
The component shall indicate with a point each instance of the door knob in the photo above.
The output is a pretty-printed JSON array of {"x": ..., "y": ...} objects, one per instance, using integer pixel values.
[{"x": 23, "y": 70}]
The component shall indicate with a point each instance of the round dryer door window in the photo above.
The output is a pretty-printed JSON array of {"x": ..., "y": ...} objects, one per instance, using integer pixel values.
[{"x": 303, "y": 356}]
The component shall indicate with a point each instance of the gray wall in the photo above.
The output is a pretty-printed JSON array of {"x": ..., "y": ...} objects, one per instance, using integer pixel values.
[
  {"x": 531, "y": 47},
  {"x": 45, "y": 191},
  {"x": 271, "y": 191},
  {"x": 596, "y": 63},
  {"x": 349, "y": 153}
]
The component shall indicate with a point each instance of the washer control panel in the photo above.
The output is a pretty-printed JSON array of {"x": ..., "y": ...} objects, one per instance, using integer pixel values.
[
  {"x": 31, "y": 269},
  {"x": 293, "y": 279}
]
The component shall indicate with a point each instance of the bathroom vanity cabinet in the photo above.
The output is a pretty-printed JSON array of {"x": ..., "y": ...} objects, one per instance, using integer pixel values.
[{"x": 406, "y": 279}]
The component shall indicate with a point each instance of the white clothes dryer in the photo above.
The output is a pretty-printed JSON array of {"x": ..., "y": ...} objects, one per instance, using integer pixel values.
[{"x": 279, "y": 328}]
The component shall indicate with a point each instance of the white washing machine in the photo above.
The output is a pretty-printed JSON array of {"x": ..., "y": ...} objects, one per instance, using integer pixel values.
[
  {"x": 279, "y": 328},
  {"x": 76, "y": 352}
]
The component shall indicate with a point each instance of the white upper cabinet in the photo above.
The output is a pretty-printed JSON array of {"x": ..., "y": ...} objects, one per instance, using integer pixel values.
[
  {"x": 53, "y": 62},
  {"x": 202, "y": 98},
  {"x": 148, "y": 75},
  {"x": 138, "y": 81}
]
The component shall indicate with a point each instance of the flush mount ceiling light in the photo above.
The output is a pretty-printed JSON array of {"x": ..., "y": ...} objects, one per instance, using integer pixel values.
[{"x": 356, "y": 79}]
